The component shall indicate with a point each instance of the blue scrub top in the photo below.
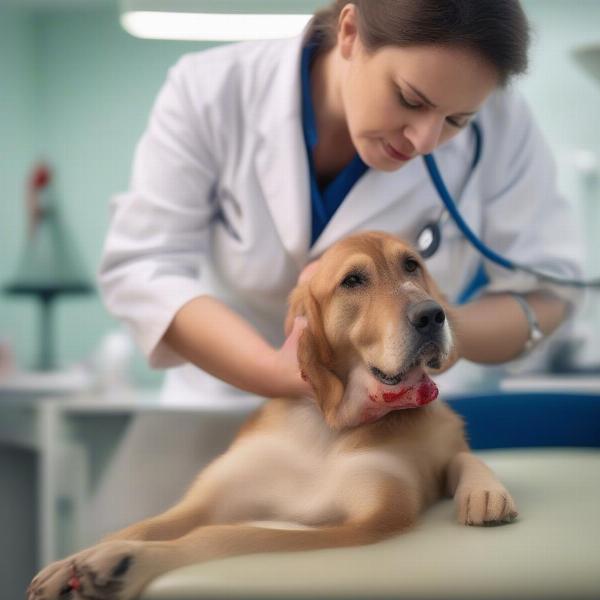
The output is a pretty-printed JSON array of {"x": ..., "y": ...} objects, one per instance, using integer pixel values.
[{"x": 324, "y": 201}]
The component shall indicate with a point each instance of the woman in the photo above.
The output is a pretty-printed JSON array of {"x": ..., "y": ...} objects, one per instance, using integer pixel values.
[{"x": 258, "y": 156}]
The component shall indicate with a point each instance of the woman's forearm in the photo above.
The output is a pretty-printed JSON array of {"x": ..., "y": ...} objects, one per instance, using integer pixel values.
[
  {"x": 494, "y": 328},
  {"x": 213, "y": 337}
]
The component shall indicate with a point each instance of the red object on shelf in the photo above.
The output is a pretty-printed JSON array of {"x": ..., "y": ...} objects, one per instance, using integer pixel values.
[{"x": 41, "y": 177}]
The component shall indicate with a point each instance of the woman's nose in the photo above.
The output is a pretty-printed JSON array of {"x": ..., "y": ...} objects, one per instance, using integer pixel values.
[{"x": 425, "y": 133}]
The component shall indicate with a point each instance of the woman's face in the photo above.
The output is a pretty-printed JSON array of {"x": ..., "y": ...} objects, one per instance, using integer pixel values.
[{"x": 401, "y": 102}]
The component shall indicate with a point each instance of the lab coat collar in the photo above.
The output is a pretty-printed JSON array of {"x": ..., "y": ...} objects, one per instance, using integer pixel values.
[{"x": 370, "y": 197}]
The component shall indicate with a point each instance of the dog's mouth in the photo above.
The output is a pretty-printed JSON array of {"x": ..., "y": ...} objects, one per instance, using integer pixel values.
[
  {"x": 411, "y": 387},
  {"x": 429, "y": 355}
]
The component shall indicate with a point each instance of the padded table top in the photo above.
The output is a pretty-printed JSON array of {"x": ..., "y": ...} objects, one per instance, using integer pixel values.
[{"x": 551, "y": 551}]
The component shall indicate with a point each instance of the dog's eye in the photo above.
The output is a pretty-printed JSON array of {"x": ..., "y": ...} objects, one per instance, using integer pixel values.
[
  {"x": 411, "y": 265},
  {"x": 354, "y": 280}
]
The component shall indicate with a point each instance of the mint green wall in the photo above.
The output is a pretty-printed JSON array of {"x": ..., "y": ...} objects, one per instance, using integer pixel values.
[
  {"x": 17, "y": 143},
  {"x": 565, "y": 98},
  {"x": 76, "y": 89},
  {"x": 97, "y": 84},
  {"x": 81, "y": 92},
  {"x": 567, "y": 104}
]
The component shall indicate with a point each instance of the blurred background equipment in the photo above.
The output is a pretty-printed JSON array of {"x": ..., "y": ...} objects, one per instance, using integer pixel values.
[
  {"x": 588, "y": 57},
  {"x": 50, "y": 264}
]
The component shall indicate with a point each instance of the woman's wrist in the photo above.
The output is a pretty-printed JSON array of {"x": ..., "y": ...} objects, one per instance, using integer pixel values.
[
  {"x": 489, "y": 330},
  {"x": 494, "y": 329},
  {"x": 282, "y": 379}
]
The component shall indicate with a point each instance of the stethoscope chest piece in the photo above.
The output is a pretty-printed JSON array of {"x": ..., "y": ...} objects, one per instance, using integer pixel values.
[{"x": 428, "y": 240}]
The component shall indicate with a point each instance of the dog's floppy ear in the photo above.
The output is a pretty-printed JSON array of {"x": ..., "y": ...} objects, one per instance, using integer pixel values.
[{"x": 315, "y": 356}]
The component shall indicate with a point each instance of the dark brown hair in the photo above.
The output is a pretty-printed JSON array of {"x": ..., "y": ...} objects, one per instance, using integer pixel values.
[{"x": 496, "y": 29}]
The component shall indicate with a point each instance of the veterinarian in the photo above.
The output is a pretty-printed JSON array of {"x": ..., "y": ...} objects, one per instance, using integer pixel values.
[{"x": 258, "y": 156}]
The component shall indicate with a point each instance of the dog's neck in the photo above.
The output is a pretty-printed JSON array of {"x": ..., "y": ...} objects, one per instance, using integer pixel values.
[
  {"x": 390, "y": 421},
  {"x": 367, "y": 401}
]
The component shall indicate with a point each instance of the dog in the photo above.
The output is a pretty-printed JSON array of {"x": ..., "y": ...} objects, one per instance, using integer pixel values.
[{"x": 356, "y": 463}]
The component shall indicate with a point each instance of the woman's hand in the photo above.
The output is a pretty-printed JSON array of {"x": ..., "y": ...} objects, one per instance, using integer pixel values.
[
  {"x": 286, "y": 358},
  {"x": 286, "y": 365},
  {"x": 210, "y": 335}
]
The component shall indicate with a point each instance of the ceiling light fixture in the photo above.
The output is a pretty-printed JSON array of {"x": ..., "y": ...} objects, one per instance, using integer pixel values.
[{"x": 216, "y": 20}]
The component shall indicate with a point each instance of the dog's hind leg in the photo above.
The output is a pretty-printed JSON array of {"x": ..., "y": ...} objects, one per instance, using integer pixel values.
[
  {"x": 196, "y": 508},
  {"x": 171, "y": 524},
  {"x": 228, "y": 490},
  {"x": 120, "y": 569}
]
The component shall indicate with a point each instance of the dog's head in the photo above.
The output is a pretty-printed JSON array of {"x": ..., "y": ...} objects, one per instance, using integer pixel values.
[{"x": 376, "y": 320}]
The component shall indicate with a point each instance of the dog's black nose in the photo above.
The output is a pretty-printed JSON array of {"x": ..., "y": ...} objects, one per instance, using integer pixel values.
[{"x": 427, "y": 317}]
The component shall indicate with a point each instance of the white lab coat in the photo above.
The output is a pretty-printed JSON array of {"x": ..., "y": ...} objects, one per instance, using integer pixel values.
[{"x": 219, "y": 203}]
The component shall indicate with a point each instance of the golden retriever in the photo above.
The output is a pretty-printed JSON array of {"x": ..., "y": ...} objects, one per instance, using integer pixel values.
[{"x": 355, "y": 464}]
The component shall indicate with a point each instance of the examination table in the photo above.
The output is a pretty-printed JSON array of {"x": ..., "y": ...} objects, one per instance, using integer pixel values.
[{"x": 544, "y": 447}]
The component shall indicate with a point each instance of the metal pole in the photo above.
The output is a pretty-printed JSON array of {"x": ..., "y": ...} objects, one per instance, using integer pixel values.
[{"x": 46, "y": 355}]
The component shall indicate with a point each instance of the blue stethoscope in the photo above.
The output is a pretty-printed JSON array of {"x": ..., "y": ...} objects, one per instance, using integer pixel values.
[{"x": 430, "y": 236}]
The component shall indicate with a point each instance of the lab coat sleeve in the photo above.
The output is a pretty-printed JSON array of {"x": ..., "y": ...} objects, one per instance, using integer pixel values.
[
  {"x": 159, "y": 228},
  {"x": 525, "y": 218}
]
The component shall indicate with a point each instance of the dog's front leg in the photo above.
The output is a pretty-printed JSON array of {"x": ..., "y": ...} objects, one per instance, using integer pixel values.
[{"x": 478, "y": 495}]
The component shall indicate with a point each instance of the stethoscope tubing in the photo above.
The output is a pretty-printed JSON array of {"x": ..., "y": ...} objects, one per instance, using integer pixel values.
[{"x": 485, "y": 251}]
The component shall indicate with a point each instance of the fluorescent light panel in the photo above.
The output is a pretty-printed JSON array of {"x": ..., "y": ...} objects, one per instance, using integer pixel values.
[{"x": 211, "y": 26}]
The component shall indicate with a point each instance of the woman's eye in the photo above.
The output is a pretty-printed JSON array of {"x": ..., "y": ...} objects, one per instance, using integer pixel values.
[
  {"x": 457, "y": 123},
  {"x": 354, "y": 280},
  {"x": 411, "y": 265},
  {"x": 406, "y": 103}
]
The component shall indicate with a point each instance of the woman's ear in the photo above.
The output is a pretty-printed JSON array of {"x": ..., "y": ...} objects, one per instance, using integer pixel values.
[
  {"x": 315, "y": 358},
  {"x": 347, "y": 34}
]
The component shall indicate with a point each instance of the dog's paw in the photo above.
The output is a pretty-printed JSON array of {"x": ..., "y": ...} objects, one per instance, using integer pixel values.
[
  {"x": 487, "y": 505},
  {"x": 108, "y": 571}
]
